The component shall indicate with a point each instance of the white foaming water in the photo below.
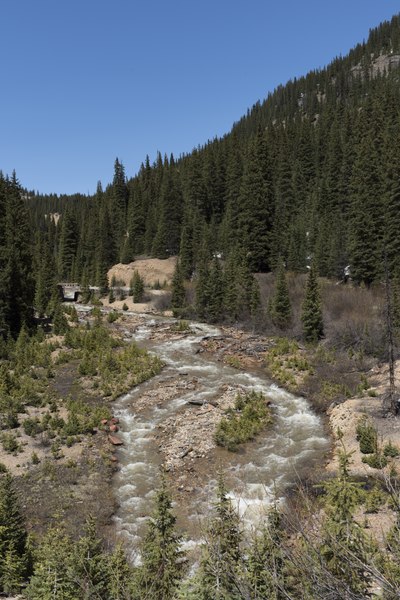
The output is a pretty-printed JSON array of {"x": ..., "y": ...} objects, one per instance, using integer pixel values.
[{"x": 256, "y": 477}]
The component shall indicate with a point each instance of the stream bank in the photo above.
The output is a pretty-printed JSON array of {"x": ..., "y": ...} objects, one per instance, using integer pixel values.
[{"x": 170, "y": 420}]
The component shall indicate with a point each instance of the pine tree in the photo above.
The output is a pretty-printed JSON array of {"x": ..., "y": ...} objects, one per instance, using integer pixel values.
[
  {"x": 90, "y": 565},
  {"x": 215, "y": 292},
  {"x": 254, "y": 220},
  {"x": 255, "y": 301},
  {"x": 16, "y": 278},
  {"x": 137, "y": 287},
  {"x": 119, "y": 202},
  {"x": 266, "y": 561},
  {"x": 311, "y": 316},
  {"x": 345, "y": 549},
  {"x": 392, "y": 228},
  {"x": 120, "y": 575},
  {"x": 60, "y": 323},
  {"x": 68, "y": 245},
  {"x": 186, "y": 251},
  {"x": 178, "y": 289},
  {"x": 162, "y": 558},
  {"x": 54, "y": 571},
  {"x": 45, "y": 280},
  {"x": 230, "y": 285},
  {"x": 281, "y": 311},
  {"x": 13, "y": 537},
  {"x": 219, "y": 572}
]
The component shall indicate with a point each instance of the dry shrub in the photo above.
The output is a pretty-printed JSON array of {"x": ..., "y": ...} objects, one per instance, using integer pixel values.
[
  {"x": 162, "y": 302},
  {"x": 353, "y": 318}
]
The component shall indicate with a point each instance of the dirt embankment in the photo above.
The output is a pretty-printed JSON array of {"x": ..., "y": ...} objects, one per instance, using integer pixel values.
[{"x": 152, "y": 270}]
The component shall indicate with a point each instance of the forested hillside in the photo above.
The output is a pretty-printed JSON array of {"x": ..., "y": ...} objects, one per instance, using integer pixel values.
[{"x": 313, "y": 171}]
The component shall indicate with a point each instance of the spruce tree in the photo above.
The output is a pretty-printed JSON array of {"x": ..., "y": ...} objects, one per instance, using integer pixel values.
[
  {"x": 178, "y": 289},
  {"x": 68, "y": 245},
  {"x": 90, "y": 564},
  {"x": 265, "y": 565},
  {"x": 13, "y": 537},
  {"x": 120, "y": 575},
  {"x": 16, "y": 277},
  {"x": 254, "y": 219},
  {"x": 345, "y": 549},
  {"x": 54, "y": 571},
  {"x": 186, "y": 251},
  {"x": 137, "y": 287},
  {"x": 280, "y": 309},
  {"x": 162, "y": 569},
  {"x": 219, "y": 572},
  {"x": 311, "y": 316},
  {"x": 215, "y": 292}
]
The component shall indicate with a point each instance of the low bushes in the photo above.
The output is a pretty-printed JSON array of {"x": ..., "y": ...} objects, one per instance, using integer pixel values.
[{"x": 249, "y": 416}]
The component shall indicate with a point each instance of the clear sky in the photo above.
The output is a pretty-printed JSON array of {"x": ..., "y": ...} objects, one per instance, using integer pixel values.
[{"x": 85, "y": 81}]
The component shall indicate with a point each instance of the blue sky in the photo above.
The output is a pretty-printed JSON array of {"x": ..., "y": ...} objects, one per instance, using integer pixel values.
[{"x": 83, "y": 82}]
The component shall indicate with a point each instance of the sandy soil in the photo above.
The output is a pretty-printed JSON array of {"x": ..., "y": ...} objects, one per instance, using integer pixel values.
[
  {"x": 151, "y": 270},
  {"x": 138, "y": 307},
  {"x": 346, "y": 416}
]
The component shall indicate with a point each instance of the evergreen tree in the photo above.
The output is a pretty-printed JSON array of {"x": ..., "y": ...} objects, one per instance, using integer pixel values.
[
  {"x": 178, "y": 289},
  {"x": 186, "y": 251},
  {"x": 137, "y": 287},
  {"x": 60, "y": 323},
  {"x": 254, "y": 220},
  {"x": 215, "y": 292},
  {"x": 311, "y": 316},
  {"x": 13, "y": 538},
  {"x": 345, "y": 549},
  {"x": 68, "y": 245},
  {"x": 45, "y": 279},
  {"x": 162, "y": 569},
  {"x": 392, "y": 228},
  {"x": 266, "y": 561},
  {"x": 120, "y": 575},
  {"x": 281, "y": 311},
  {"x": 90, "y": 565},
  {"x": 16, "y": 280},
  {"x": 119, "y": 202},
  {"x": 54, "y": 572},
  {"x": 219, "y": 576}
]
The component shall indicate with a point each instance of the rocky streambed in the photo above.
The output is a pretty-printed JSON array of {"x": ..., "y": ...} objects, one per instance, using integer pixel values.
[{"x": 170, "y": 422}]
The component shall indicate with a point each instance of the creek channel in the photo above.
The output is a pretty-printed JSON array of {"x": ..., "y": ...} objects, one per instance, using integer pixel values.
[{"x": 256, "y": 476}]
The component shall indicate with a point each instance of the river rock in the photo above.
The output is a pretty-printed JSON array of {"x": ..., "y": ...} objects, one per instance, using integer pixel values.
[
  {"x": 114, "y": 427},
  {"x": 114, "y": 440}
]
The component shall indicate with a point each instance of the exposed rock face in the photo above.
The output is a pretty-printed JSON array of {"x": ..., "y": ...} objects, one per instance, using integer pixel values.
[{"x": 379, "y": 65}]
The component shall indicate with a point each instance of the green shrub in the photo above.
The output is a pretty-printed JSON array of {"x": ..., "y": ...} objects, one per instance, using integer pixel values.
[
  {"x": 35, "y": 459},
  {"x": 125, "y": 306},
  {"x": 367, "y": 436},
  {"x": 242, "y": 424},
  {"x": 181, "y": 326},
  {"x": 112, "y": 316},
  {"x": 10, "y": 443},
  {"x": 32, "y": 426},
  {"x": 375, "y": 499},
  {"x": 376, "y": 460},
  {"x": 391, "y": 451}
]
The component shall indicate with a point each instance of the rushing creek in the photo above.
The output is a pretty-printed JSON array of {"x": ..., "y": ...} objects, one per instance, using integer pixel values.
[{"x": 256, "y": 476}]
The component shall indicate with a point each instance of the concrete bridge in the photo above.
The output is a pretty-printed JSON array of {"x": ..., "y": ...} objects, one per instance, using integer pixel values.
[{"x": 70, "y": 292}]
